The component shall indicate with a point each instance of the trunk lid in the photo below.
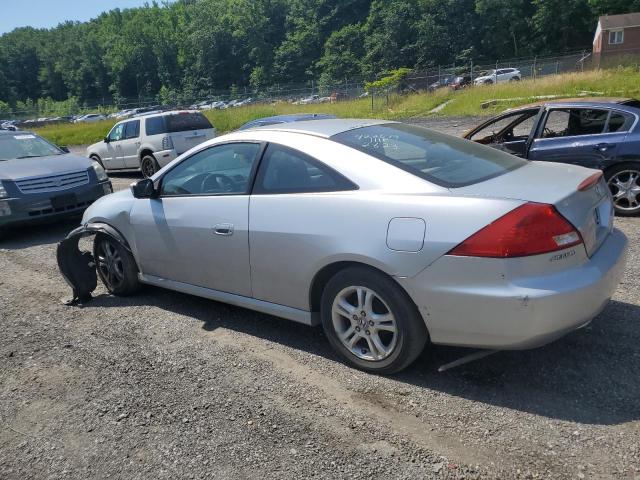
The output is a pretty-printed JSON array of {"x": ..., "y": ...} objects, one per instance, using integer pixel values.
[
  {"x": 590, "y": 210},
  {"x": 183, "y": 141}
]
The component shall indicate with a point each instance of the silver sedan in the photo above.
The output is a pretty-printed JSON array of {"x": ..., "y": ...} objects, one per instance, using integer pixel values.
[{"x": 389, "y": 235}]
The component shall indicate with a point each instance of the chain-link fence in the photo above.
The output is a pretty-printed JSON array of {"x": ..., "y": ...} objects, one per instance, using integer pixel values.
[{"x": 456, "y": 76}]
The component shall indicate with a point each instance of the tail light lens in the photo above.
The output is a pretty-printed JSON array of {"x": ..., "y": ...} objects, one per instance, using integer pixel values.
[
  {"x": 530, "y": 229},
  {"x": 167, "y": 144}
]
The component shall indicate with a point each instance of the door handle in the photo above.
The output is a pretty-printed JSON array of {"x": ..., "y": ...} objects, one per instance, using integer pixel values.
[
  {"x": 603, "y": 147},
  {"x": 223, "y": 229}
]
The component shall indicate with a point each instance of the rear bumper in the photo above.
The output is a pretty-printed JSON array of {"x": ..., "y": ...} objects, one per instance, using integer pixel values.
[
  {"x": 33, "y": 209},
  {"x": 484, "y": 303}
]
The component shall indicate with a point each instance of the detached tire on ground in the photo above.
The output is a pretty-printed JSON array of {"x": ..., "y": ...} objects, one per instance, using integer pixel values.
[
  {"x": 624, "y": 182},
  {"x": 115, "y": 265},
  {"x": 148, "y": 165},
  {"x": 371, "y": 322}
]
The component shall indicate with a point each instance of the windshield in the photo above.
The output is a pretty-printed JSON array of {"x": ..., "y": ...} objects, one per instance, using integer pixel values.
[
  {"x": 25, "y": 145},
  {"x": 441, "y": 159}
]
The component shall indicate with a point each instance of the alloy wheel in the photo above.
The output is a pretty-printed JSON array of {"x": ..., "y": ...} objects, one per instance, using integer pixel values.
[
  {"x": 147, "y": 167},
  {"x": 625, "y": 188},
  {"x": 110, "y": 264},
  {"x": 364, "y": 323}
]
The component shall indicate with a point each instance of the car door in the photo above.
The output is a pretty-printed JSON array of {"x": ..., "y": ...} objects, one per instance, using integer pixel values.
[
  {"x": 285, "y": 236},
  {"x": 196, "y": 230},
  {"x": 577, "y": 135},
  {"x": 130, "y": 144},
  {"x": 113, "y": 158},
  {"x": 509, "y": 132}
]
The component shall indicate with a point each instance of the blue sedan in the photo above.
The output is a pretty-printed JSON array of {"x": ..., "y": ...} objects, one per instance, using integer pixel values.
[
  {"x": 296, "y": 117},
  {"x": 602, "y": 134}
]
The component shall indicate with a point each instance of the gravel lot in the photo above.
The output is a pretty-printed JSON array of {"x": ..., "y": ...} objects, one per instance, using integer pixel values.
[{"x": 164, "y": 385}]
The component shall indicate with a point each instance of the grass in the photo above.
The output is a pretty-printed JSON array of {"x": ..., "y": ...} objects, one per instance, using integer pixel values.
[{"x": 615, "y": 82}]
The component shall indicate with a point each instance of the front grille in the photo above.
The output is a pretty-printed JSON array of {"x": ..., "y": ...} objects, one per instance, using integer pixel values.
[
  {"x": 53, "y": 183},
  {"x": 50, "y": 209}
]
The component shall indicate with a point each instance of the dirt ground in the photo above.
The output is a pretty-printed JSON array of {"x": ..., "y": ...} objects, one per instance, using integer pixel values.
[{"x": 165, "y": 385}]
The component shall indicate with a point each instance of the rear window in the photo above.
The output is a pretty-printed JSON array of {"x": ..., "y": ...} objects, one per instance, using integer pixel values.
[
  {"x": 182, "y": 122},
  {"x": 441, "y": 159}
]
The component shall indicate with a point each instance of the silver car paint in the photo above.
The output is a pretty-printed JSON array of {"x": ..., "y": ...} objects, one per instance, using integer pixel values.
[{"x": 292, "y": 237}]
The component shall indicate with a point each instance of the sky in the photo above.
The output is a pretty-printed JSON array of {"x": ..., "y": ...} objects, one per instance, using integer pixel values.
[{"x": 49, "y": 13}]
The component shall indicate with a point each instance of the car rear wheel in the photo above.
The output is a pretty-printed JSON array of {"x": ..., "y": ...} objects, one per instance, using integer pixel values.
[
  {"x": 371, "y": 322},
  {"x": 624, "y": 183},
  {"x": 149, "y": 166},
  {"x": 115, "y": 265}
]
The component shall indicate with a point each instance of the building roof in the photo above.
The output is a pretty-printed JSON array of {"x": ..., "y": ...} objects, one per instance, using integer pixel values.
[{"x": 609, "y": 22}]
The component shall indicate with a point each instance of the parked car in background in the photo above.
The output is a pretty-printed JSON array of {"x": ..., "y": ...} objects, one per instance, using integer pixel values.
[
  {"x": 91, "y": 117},
  {"x": 150, "y": 142},
  {"x": 498, "y": 76},
  {"x": 389, "y": 235},
  {"x": 297, "y": 117},
  {"x": 460, "y": 82},
  {"x": 443, "y": 82},
  {"x": 602, "y": 134},
  {"x": 41, "y": 182}
]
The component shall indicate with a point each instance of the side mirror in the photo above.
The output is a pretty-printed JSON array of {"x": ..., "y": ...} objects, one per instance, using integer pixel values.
[
  {"x": 64, "y": 148},
  {"x": 106, "y": 140},
  {"x": 143, "y": 188}
]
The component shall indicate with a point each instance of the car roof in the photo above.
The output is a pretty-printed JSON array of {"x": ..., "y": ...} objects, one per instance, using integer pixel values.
[
  {"x": 15, "y": 132},
  {"x": 156, "y": 114},
  {"x": 324, "y": 128},
  {"x": 580, "y": 102}
]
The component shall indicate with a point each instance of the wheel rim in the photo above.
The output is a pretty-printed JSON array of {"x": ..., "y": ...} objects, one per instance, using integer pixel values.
[
  {"x": 625, "y": 188},
  {"x": 110, "y": 264},
  {"x": 148, "y": 168},
  {"x": 364, "y": 323}
]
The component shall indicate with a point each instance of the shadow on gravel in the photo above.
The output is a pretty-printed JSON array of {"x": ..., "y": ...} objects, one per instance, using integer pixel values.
[
  {"x": 589, "y": 376},
  {"x": 18, "y": 238}
]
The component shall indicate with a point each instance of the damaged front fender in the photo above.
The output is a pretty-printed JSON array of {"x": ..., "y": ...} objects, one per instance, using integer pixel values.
[{"x": 79, "y": 268}]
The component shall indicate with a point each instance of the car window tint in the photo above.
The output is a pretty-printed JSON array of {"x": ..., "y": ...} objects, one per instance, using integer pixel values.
[
  {"x": 438, "y": 158},
  {"x": 219, "y": 170},
  {"x": 154, "y": 125},
  {"x": 575, "y": 121},
  {"x": 132, "y": 129},
  {"x": 117, "y": 133},
  {"x": 620, "y": 122},
  {"x": 524, "y": 127},
  {"x": 285, "y": 170},
  {"x": 182, "y": 122}
]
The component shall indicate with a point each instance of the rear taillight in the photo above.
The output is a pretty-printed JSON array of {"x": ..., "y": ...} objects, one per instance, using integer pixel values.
[
  {"x": 167, "y": 144},
  {"x": 530, "y": 229}
]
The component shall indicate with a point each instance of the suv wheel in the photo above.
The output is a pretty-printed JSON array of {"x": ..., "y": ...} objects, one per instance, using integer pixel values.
[
  {"x": 148, "y": 165},
  {"x": 624, "y": 183},
  {"x": 371, "y": 322}
]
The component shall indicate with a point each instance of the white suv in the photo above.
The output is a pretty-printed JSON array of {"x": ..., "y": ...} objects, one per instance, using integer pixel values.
[
  {"x": 498, "y": 76},
  {"x": 150, "y": 142}
]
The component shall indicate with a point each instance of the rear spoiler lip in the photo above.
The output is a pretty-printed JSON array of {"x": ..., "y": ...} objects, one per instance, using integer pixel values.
[{"x": 589, "y": 182}]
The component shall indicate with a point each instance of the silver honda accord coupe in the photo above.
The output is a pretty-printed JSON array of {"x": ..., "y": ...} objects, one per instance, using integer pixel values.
[{"x": 387, "y": 234}]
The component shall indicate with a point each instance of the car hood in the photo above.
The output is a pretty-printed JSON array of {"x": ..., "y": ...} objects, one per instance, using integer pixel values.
[{"x": 42, "y": 166}]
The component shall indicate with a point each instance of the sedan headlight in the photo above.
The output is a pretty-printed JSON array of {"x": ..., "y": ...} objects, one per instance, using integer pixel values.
[
  {"x": 100, "y": 173},
  {"x": 3, "y": 191}
]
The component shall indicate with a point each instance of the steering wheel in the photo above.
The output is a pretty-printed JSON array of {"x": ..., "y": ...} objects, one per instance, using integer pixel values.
[
  {"x": 217, "y": 181},
  {"x": 548, "y": 133}
]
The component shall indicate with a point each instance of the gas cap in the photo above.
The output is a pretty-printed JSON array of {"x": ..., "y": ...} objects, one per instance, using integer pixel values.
[{"x": 406, "y": 234}]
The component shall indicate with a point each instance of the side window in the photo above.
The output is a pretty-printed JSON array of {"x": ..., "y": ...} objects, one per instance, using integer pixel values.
[
  {"x": 285, "y": 170},
  {"x": 219, "y": 170},
  {"x": 132, "y": 129},
  {"x": 490, "y": 133},
  {"x": 523, "y": 129},
  {"x": 154, "y": 125},
  {"x": 620, "y": 122},
  {"x": 574, "y": 122},
  {"x": 116, "y": 133}
]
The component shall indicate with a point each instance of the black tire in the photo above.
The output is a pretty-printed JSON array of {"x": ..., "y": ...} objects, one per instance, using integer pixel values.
[
  {"x": 515, "y": 79},
  {"x": 623, "y": 172},
  {"x": 126, "y": 281},
  {"x": 96, "y": 158},
  {"x": 488, "y": 82},
  {"x": 148, "y": 165},
  {"x": 411, "y": 332}
]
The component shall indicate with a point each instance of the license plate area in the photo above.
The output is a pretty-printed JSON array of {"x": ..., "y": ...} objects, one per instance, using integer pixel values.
[{"x": 64, "y": 201}]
